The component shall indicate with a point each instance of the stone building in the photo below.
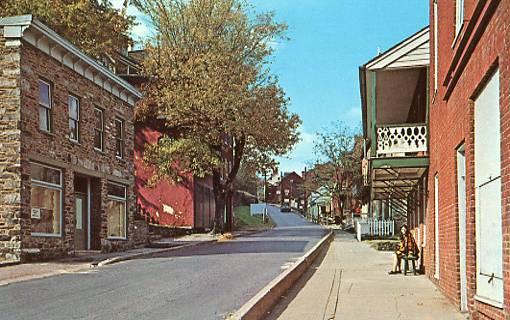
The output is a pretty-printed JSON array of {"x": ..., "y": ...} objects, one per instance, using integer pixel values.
[
  {"x": 468, "y": 234},
  {"x": 66, "y": 147}
]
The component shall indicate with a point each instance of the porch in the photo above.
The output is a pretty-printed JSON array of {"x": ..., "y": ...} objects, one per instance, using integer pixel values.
[{"x": 395, "y": 109}]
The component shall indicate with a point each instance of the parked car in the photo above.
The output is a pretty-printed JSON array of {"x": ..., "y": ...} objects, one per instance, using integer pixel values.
[{"x": 285, "y": 208}]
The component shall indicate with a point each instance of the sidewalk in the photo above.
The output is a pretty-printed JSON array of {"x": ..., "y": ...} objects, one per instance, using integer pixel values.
[
  {"x": 351, "y": 282},
  {"x": 87, "y": 261}
]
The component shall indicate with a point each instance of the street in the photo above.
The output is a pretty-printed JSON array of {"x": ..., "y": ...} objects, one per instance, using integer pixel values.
[{"x": 204, "y": 282}]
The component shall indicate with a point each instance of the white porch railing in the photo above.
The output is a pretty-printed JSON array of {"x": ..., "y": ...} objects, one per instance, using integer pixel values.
[
  {"x": 372, "y": 227},
  {"x": 401, "y": 139}
]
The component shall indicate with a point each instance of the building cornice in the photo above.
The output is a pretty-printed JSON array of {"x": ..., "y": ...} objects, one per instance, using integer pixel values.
[
  {"x": 474, "y": 30},
  {"x": 34, "y": 32}
]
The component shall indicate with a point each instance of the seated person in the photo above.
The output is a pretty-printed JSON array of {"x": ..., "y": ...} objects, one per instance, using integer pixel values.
[{"x": 407, "y": 246}]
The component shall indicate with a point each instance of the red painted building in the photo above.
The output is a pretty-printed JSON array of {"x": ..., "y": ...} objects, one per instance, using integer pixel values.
[
  {"x": 468, "y": 235},
  {"x": 186, "y": 204}
]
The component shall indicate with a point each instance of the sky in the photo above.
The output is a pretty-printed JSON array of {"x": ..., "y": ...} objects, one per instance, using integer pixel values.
[{"x": 318, "y": 66}]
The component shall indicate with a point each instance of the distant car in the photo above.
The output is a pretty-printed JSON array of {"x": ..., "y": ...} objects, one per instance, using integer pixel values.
[{"x": 285, "y": 208}]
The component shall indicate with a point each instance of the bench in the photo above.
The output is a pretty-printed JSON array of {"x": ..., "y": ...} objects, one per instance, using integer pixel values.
[{"x": 407, "y": 258}]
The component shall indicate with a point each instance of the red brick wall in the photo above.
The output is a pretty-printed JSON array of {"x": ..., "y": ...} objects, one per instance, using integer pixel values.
[
  {"x": 451, "y": 124},
  {"x": 56, "y": 149},
  {"x": 166, "y": 203}
]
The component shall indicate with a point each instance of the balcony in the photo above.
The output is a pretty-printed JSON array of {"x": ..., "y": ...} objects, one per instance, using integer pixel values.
[{"x": 402, "y": 140}]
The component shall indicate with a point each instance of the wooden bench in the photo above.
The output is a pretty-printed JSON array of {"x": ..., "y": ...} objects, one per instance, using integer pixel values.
[{"x": 407, "y": 258}]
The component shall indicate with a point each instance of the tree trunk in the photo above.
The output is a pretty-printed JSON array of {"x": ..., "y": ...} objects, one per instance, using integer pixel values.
[
  {"x": 219, "y": 201},
  {"x": 229, "y": 227}
]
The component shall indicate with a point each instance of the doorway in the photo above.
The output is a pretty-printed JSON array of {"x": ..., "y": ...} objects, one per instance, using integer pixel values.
[
  {"x": 461, "y": 195},
  {"x": 81, "y": 213}
]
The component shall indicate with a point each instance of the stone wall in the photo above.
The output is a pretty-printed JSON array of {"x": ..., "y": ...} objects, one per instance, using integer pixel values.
[
  {"x": 57, "y": 150},
  {"x": 10, "y": 175}
]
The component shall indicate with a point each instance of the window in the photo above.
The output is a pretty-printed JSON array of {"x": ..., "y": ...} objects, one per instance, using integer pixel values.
[
  {"x": 98, "y": 129},
  {"x": 116, "y": 211},
  {"x": 45, "y": 200},
  {"x": 489, "y": 207},
  {"x": 459, "y": 15},
  {"x": 45, "y": 102},
  {"x": 74, "y": 118},
  {"x": 119, "y": 138}
]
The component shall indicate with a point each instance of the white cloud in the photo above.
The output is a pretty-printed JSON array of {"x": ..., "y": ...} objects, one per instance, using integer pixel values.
[
  {"x": 141, "y": 31},
  {"x": 301, "y": 156},
  {"x": 353, "y": 116}
]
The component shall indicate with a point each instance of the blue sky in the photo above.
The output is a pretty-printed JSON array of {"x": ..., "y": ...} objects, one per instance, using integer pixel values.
[{"x": 318, "y": 66}]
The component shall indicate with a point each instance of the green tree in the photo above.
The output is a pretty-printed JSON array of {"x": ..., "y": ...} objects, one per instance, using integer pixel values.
[
  {"x": 338, "y": 163},
  {"x": 208, "y": 66},
  {"x": 94, "y": 26},
  {"x": 247, "y": 180}
]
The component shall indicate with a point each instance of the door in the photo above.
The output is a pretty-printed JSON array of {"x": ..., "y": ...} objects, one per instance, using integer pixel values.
[
  {"x": 489, "y": 237},
  {"x": 461, "y": 195},
  {"x": 80, "y": 222}
]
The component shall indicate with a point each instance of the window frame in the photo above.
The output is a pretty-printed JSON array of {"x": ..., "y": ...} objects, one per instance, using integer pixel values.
[
  {"x": 459, "y": 17},
  {"x": 47, "y": 108},
  {"x": 436, "y": 43},
  {"x": 77, "y": 121},
  {"x": 52, "y": 186},
  {"x": 118, "y": 199},
  {"x": 96, "y": 130},
  {"x": 120, "y": 139}
]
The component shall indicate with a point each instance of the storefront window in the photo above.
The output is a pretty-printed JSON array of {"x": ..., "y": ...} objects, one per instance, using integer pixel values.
[
  {"x": 116, "y": 211},
  {"x": 45, "y": 200}
]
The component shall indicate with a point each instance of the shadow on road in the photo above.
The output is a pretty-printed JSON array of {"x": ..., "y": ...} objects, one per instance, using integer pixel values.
[{"x": 236, "y": 247}]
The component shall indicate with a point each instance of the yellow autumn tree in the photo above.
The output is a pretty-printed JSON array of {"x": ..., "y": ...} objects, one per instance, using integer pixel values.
[
  {"x": 94, "y": 26},
  {"x": 209, "y": 79}
]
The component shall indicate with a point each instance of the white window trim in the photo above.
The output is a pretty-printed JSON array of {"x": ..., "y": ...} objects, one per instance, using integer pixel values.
[
  {"x": 53, "y": 186},
  {"x": 459, "y": 20},
  {"x": 102, "y": 130},
  {"x": 436, "y": 43},
  {"x": 488, "y": 301},
  {"x": 78, "y": 117},
  {"x": 121, "y": 121},
  {"x": 48, "y": 107},
  {"x": 119, "y": 199}
]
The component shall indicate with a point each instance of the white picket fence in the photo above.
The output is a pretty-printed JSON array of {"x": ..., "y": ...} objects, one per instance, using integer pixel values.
[{"x": 373, "y": 227}]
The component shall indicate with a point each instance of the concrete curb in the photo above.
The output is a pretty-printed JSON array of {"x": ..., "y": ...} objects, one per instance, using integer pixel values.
[
  {"x": 146, "y": 254},
  {"x": 258, "y": 306},
  {"x": 157, "y": 251}
]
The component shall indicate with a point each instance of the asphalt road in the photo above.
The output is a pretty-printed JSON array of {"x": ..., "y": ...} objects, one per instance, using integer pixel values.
[{"x": 204, "y": 282}]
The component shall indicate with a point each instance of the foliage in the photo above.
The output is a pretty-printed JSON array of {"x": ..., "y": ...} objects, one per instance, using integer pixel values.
[
  {"x": 338, "y": 154},
  {"x": 246, "y": 180},
  {"x": 209, "y": 79},
  {"x": 95, "y": 26},
  {"x": 244, "y": 220}
]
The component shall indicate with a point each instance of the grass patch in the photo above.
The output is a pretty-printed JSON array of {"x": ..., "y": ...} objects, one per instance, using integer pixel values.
[
  {"x": 383, "y": 245},
  {"x": 245, "y": 221}
]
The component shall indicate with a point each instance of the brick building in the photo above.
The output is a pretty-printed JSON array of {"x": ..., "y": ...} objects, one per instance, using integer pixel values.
[
  {"x": 468, "y": 238},
  {"x": 66, "y": 155},
  {"x": 292, "y": 190}
]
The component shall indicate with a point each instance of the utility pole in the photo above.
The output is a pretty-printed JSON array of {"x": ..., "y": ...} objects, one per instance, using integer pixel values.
[
  {"x": 305, "y": 202},
  {"x": 264, "y": 212}
]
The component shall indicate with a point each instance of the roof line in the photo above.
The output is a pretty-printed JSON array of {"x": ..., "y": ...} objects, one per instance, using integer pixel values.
[{"x": 387, "y": 52}]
